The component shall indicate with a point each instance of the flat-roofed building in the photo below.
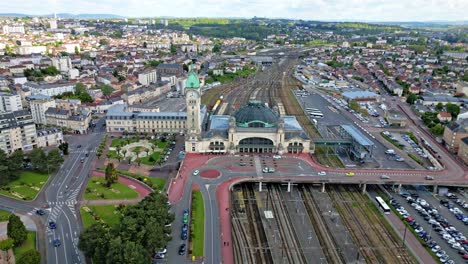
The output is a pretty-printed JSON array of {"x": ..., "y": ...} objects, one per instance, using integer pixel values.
[{"x": 17, "y": 131}]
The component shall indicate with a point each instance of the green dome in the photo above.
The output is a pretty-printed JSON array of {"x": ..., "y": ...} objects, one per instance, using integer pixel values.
[
  {"x": 192, "y": 81},
  {"x": 256, "y": 114}
]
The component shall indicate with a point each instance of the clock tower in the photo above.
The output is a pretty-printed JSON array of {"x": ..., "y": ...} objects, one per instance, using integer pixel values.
[{"x": 194, "y": 118}]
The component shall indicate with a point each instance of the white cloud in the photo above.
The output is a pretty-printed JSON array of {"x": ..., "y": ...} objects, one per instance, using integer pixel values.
[{"x": 364, "y": 10}]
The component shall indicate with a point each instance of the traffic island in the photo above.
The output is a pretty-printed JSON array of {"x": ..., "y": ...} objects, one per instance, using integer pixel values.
[
  {"x": 197, "y": 225},
  {"x": 210, "y": 174},
  {"x": 97, "y": 190},
  {"x": 26, "y": 187},
  {"x": 105, "y": 214}
]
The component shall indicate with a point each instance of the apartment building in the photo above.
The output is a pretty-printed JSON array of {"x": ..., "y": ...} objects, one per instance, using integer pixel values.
[
  {"x": 78, "y": 123},
  {"x": 38, "y": 109},
  {"x": 10, "y": 102},
  {"x": 49, "y": 137},
  {"x": 17, "y": 131},
  {"x": 50, "y": 89},
  {"x": 147, "y": 77},
  {"x": 453, "y": 134}
]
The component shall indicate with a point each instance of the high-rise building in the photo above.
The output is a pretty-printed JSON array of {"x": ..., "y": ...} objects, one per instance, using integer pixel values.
[
  {"x": 49, "y": 89},
  {"x": 38, "y": 109},
  {"x": 10, "y": 102},
  {"x": 17, "y": 131}
]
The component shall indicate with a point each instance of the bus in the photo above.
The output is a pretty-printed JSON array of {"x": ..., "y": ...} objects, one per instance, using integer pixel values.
[
  {"x": 383, "y": 205},
  {"x": 316, "y": 115},
  {"x": 312, "y": 109}
]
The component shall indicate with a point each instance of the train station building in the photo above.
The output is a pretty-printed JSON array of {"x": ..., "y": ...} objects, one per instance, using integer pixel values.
[{"x": 254, "y": 128}]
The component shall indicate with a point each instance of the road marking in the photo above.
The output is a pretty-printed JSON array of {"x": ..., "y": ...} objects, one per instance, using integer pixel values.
[
  {"x": 64, "y": 248},
  {"x": 211, "y": 217}
]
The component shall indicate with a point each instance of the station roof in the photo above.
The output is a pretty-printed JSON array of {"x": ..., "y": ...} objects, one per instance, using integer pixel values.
[
  {"x": 256, "y": 111},
  {"x": 357, "y": 135}
]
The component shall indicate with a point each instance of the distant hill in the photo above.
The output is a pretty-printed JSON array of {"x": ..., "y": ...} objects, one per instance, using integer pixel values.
[
  {"x": 63, "y": 15},
  {"x": 427, "y": 23}
]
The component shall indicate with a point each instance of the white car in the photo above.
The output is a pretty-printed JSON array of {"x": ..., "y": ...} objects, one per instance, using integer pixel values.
[
  {"x": 322, "y": 173},
  {"x": 277, "y": 157},
  {"x": 265, "y": 170},
  {"x": 196, "y": 172}
]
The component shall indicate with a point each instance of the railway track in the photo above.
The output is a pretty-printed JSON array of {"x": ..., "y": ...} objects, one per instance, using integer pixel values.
[
  {"x": 328, "y": 244},
  {"x": 377, "y": 244},
  {"x": 291, "y": 248},
  {"x": 251, "y": 245}
]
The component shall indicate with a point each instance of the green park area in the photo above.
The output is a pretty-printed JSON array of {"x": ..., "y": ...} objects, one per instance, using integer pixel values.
[
  {"x": 197, "y": 224},
  {"x": 28, "y": 244},
  {"x": 26, "y": 187},
  {"x": 97, "y": 190},
  {"x": 149, "y": 152},
  {"x": 108, "y": 214},
  {"x": 4, "y": 215}
]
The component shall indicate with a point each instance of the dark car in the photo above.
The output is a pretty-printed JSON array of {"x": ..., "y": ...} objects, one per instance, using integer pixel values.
[
  {"x": 79, "y": 146},
  {"x": 182, "y": 249},
  {"x": 40, "y": 212},
  {"x": 183, "y": 236},
  {"x": 184, "y": 228},
  {"x": 56, "y": 242},
  {"x": 52, "y": 225}
]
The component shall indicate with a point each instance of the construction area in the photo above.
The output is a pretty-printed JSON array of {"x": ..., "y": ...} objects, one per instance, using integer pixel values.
[{"x": 305, "y": 225}]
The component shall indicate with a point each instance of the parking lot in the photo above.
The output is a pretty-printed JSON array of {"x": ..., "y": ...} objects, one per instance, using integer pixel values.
[
  {"x": 433, "y": 222},
  {"x": 333, "y": 112},
  {"x": 410, "y": 147}
]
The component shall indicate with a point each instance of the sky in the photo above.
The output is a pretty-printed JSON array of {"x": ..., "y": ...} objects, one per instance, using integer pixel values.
[{"x": 326, "y": 10}]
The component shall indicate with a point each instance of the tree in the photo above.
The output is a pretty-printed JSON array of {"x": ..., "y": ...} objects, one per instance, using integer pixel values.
[
  {"x": 173, "y": 49},
  {"x": 106, "y": 89},
  {"x": 31, "y": 256},
  {"x": 437, "y": 129},
  {"x": 129, "y": 159},
  {"x": 94, "y": 242},
  {"x": 50, "y": 71},
  {"x": 138, "y": 161},
  {"x": 80, "y": 88},
  {"x": 411, "y": 99},
  {"x": 439, "y": 107},
  {"x": 354, "y": 105},
  {"x": 124, "y": 152},
  {"x": 16, "y": 230},
  {"x": 64, "y": 148},
  {"x": 77, "y": 50},
  {"x": 99, "y": 153},
  {"x": 15, "y": 161},
  {"x": 103, "y": 42},
  {"x": 126, "y": 252},
  {"x": 37, "y": 157},
  {"x": 111, "y": 174},
  {"x": 216, "y": 48},
  {"x": 7, "y": 244},
  {"x": 453, "y": 109},
  {"x": 54, "y": 159}
]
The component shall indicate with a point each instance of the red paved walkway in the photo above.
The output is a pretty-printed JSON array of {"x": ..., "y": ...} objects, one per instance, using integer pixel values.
[
  {"x": 222, "y": 195},
  {"x": 142, "y": 190},
  {"x": 191, "y": 162}
]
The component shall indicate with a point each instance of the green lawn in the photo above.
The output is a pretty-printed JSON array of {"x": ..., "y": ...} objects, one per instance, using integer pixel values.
[
  {"x": 4, "y": 215},
  {"x": 29, "y": 244},
  {"x": 156, "y": 183},
  {"x": 108, "y": 214},
  {"x": 197, "y": 224},
  {"x": 117, "y": 141},
  {"x": 26, "y": 187},
  {"x": 96, "y": 190},
  {"x": 156, "y": 155}
]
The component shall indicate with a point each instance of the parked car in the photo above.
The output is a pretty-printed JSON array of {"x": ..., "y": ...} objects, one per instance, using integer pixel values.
[
  {"x": 322, "y": 173},
  {"x": 182, "y": 249}
]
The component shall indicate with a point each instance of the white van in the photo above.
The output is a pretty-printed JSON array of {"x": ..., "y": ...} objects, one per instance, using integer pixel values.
[{"x": 390, "y": 151}]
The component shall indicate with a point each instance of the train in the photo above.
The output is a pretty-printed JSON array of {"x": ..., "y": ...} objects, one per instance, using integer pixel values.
[{"x": 217, "y": 104}]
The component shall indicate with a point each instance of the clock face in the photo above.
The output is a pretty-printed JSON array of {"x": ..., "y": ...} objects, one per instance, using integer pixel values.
[{"x": 191, "y": 94}]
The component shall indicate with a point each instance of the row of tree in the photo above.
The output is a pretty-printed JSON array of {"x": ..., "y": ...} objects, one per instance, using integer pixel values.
[
  {"x": 37, "y": 159},
  {"x": 139, "y": 234}
]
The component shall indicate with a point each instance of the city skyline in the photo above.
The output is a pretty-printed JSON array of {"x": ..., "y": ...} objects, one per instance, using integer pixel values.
[{"x": 335, "y": 10}]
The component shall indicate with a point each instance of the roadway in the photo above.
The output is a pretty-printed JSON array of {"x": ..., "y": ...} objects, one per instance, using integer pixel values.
[
  {"x": 62, "y": 194},
  {"x": 293, "y": 168}
]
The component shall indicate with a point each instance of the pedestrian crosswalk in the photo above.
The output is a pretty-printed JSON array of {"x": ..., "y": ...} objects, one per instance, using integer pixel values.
[
  {"x": 68, "y": 202},
  {"x": 81, "y": 151}
]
